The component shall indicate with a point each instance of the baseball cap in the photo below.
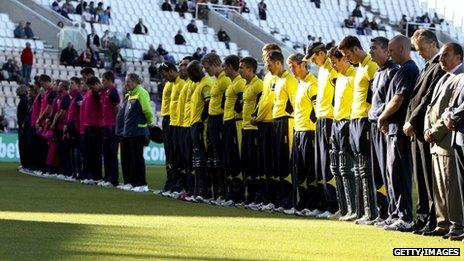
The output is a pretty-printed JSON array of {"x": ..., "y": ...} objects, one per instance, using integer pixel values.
[{"x": 312, "y": 49}]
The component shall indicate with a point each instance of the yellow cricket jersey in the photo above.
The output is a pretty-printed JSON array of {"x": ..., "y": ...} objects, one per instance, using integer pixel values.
[
  {"x": 305, "y": 116},
  {"x": 266, "y": 102},
  {"x": 232, "y": 93},
  {"x": 200, "y": 95},
  {"x": 166, "y": 98},
  {"x": 250, "y": 100},
  {"x": 362, "y": 94},
  {"x": 217, "y": 94},
  {"x": 344, "y": 94},
  {"x": 188, "y": 89},
  {"x": 284, "y": 95},
  {"x": 326, "y": 78},
  {"x": 174, "y": 103},
  {"x": 181, "y": 102}
]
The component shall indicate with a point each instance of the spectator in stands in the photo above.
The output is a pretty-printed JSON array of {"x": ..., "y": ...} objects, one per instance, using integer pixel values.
[
  {"x": 68, "y": 55},
  {"x": 20, "y": 31},
  {"x": 108, "y": 11},
  {"x": 99, "y": 8},
  {"x": 365, "y": 27},
  {"x": 245, "y": 8},
  {"x": 117, "y": 61},
  {"x": 11, "y": 72},
  {"x": 330, "y": 45},
  {"x": 92, "y": 10},
  {"x": 27, "y": 59},
  {"x": 436, "y": 19},
  {"x": 105, "y": 40},
  {"x": 403, "y": 23},
  {"x": 60, "y": 24},
  {"x": 317, "y": 3},
  {"x": 181, "y": 7},
  {"x": 166, "y": 6},
  {"x": 192, "y": 27},
  {"x": 104, "y": 17},
  {"x": 424, "y": 18},
  {"x": 64, "y": 13},
  {"x": 95, "y": 58},
  {"x": 262, "y": 9},
  {"x": 3, "y": 124},
  {"x": 153, "y": 70},
  {"x": 93, "y": 39},
  {"x": 161, "y": 50},
  {"x": 68, "y": 7},
  {"x": 85, "y": 58},
  {"x": 127, "y": 41},
  {"x": 56, "y": 6},
  {"x": 140, "y": 28},
  {"x": 81, "y": 7},
  {"x": 357, "y": 11},
  {"x": 350, "y": 22},
  {"x": 179, "y": 38},
  {"x": 87, "y": 16},
  {"x": 198, "y": 54},
  {"x": 151, "y": 53},
  {"x": 191, "y": 4},
  {"x": 28, "y": 31},
  {"x": 223, "y": 37}
]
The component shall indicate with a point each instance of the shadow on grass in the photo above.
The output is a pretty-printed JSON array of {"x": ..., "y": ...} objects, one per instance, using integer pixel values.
[
  {"x": 32, "y": 240},
  {"x": 25, "y": 193}
]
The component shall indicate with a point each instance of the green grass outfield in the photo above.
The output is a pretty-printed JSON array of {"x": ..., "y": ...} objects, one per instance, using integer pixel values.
[{"x": 43, "y": 219}]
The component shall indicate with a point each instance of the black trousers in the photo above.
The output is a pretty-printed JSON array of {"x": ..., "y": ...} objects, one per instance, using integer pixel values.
[
  {"x": 110, "y": 155},
  {"x": 422, "y": 171},
  {"x": 341, "y": 164},
  {"x": 379, "y": 169},
  {"x": 266, "y": 183},
  {"x": 74, "y": 156},
  {"x": 399, "y": 175},
  {"x": 22, "y": 146},
  {"x": 235, "y": 184},
  {"x": 93, "y": 143},
  {"x": 132, "y": 161},
  {"x": 322, "y": 163},
  {"x": 215, "y": 145},
  {"x": 167, "y": 141},
  {"x": 282, "y": 159},
  {"x": 176, "y": 159},
  {"x": 188, "y": 178},
  {"x": 199, "y": 160},
  {"x": 41, "y": 147},
  {"x": 63, "y": 149},
  {"x": 304, "y": 178},
  {"x": 250, "y": 166}
]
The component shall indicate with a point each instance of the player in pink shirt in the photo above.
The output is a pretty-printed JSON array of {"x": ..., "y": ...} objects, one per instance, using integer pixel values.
[
  {"x": 109, "y": 104},
  {"x": 71, "y": 129},
  {"x": 61, "y": 107}
]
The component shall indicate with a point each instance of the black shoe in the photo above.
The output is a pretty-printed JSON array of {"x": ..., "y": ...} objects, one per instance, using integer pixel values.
[
  {"x": 452, "y": 234},
  {"x": 422, "y": 231},
  {"x": 418, "y": 226},
  {"x": 438, "y": 232},
  {"x": 457, "y": 238}
]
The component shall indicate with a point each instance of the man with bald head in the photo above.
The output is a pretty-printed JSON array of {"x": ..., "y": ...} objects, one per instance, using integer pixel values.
[
  {"x": 445, "y": 183},
  {"x": 199, "y": 104},
  {"x": 390, "y": 122}
]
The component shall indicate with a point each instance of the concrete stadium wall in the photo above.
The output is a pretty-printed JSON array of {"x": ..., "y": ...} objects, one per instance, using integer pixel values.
[
  {"x": 244, "y": 39},
  {"x": 43, "y": 20}
]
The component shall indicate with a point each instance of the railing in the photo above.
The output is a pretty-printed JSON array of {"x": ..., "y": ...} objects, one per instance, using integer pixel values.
[{"x": 217, "y": 8}]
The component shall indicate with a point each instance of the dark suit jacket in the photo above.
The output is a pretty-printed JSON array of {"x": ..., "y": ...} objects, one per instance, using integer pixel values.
[
  {"x": 138, "y": 29},
  {"x": 421, "y": 96},
  {"x": 95, "y": 41}
]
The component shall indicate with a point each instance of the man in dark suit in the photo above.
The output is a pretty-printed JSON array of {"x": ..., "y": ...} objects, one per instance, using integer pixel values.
[
  {"x": 140, "y": 28},
  {"x": 445, "y": 184},
  {"x": 426, "y": 43},
  {"x": 93, "y": 39},
  {"x": 454, "y": 118}
]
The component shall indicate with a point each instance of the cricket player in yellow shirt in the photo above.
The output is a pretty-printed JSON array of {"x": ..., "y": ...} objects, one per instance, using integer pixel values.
[
  {"x": 341, "y": 156},
  {"x": 235, "y": 185},
  {"x": 351, "y": 47},
  {"x": 251, "y": 94},
  {"x": 282, "y": 113},
  {"x": 215, "y": 129},
  {"x": 304, "y": 180},
  {"x": 167, "y": 135},
  {"x": 169, "y": 72},
  {"x": 198, "y": 115},
  {"x": 326, "y": 78}
]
